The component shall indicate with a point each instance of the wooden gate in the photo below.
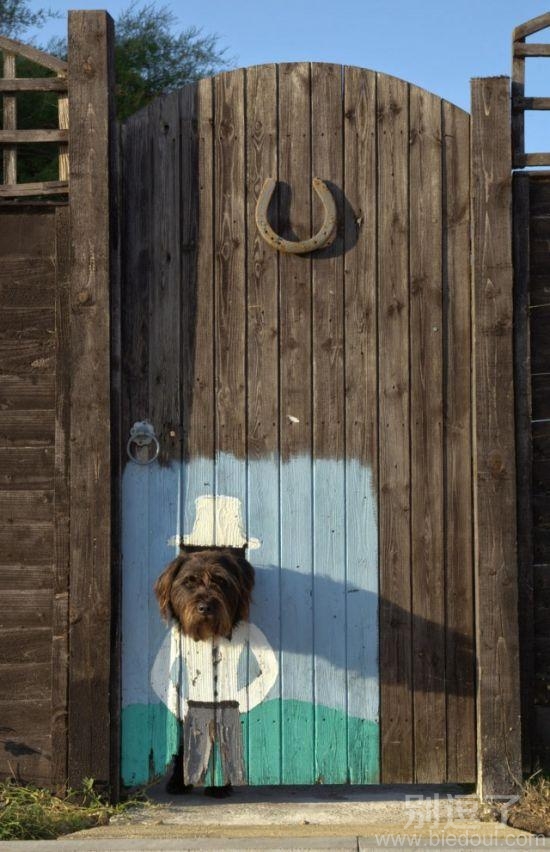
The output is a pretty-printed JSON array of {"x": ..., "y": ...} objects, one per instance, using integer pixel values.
[{"x": 325, "y": 398}]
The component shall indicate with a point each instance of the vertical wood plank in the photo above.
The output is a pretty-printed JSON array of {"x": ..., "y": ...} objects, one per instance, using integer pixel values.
[
  {"x": 91, "y": 104},
  {"x": 137, "y": 273},
  {"x": 524, "y": 458},
  {"x": 426, "y": 429},
  {"x": 9, "y": 121},
  {"x": 164, "y": 404},
  {"x": 329, "y": 556},
  {"x": 263, "y": 408},
  {"x": 63, "y": 122},
  {"x": 298, "y": 727},
  {"x": 394, "y": 455},
  {"x": 230, "y": 292},
  {"x": 498, "y": 710},
  {"x": 459, "y": 603},
  {"x": 60, "y": 626},
  {"x": 361, "y": 418}
]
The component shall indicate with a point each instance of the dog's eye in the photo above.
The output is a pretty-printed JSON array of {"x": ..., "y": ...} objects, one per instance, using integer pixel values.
[{"x": 190, "y": 580}]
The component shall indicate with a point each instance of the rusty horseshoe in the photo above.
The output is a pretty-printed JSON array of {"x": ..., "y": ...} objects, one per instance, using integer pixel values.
[{"x": 324, "y": 236}]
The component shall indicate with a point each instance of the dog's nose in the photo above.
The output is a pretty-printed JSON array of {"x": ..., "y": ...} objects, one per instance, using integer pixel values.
[{"x": 203, "y": 608}]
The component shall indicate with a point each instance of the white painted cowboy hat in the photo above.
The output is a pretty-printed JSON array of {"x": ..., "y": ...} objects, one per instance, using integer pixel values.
[{"x": 218, "y": 522}]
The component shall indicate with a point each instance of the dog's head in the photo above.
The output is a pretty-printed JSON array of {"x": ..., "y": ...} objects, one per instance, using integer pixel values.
[{"x": 208, "y": 592}]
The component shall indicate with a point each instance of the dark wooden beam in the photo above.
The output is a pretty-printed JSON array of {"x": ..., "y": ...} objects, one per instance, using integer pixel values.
[
  {"x": 91, "y": 123},
  {"x": 495, "y": 525}
]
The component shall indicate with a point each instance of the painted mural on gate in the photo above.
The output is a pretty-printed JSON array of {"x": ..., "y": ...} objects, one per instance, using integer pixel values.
[{"x": 304, "y": 671}]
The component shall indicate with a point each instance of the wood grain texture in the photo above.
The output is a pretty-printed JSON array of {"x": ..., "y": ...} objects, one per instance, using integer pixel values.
[
  {"x": 394, "y": 426},
  {"x": 62, "y": 507},
  {"x": 426, "y": 429},
  {"x": 361, "y": 396},
  {"x": 498, "y": 710},
  {"x": 295, "y": 408},
  {"x": 91, "y": 115},
  {"x": 263, "y": 394},
  {"x": 459, "y": 587}
]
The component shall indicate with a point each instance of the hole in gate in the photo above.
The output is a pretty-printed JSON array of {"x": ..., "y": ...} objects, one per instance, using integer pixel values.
[{"x": 198, "y": 548}]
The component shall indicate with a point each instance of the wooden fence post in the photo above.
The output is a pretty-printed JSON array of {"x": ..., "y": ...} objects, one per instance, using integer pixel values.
[
  {"x": 496, "y": 573},
  {"x": 92, "y": 198}
]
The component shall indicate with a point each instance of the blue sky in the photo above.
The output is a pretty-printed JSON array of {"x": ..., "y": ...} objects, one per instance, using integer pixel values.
[{"x": 436, "y": 44}]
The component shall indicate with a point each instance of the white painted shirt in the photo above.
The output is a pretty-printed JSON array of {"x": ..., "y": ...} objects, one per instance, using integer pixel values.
[{"x": 211, "y": 667}]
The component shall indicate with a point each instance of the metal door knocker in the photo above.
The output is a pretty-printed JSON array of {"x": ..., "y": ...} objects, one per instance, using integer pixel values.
[
  {"x": 142, "y": 434},
  {"x": 324, "y": 236}
]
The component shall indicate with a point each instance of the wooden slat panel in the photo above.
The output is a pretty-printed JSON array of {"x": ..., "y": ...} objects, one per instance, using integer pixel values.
[
  {"x": 21, "y": 190},
  {"x": 522, "y": 380},
  {"x": 18, "y": 506},
  {"x": 32, "y": 543},
  {"x": 60, "y": 638},
  {"x": 46, "y": 60},
  {"x": 27, "y": 282},
  {"x": 230, "y": 289},
  {"x": 26, "y": 428},
  {"x": 27, "y": 234},
  {"x": 262, "y": 416},
  {"x": 28, "y": 681},
  {"x": 329, "y": 548},
  {"x": 25, "y": 577},
  {"x": 459, "y": 593},
  {"x": 361, "y": 416},
  {"x": 34, "y": 84},
  {"x": 296, "y": 434},
  {"x": 494, "y": 462},
  {"x": 24, "y": 136},
  {"x": 394, "y": 393},
  {"x": 540, "y": 396},
  {"x": 30, "y": 610},
  {"x": 30, "y": 467},
  {"x": 91, "y": 103},
  {"x": 9, "y": 110},
  {"x": 27, "y": 392},
  {"x": 25, "y": 646},
  {"x": 426, "y": 425},
  {"x": 540, "y": 338},
  {"x": 26, "y": 339}
]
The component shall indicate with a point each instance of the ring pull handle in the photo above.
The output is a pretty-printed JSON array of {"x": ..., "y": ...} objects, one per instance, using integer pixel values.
[
  {"x": 142, "y": 434},
  {"x": 324, "y": 236}
]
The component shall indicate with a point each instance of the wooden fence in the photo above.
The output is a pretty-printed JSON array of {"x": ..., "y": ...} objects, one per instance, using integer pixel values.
[{"x": 368, "y": 347}]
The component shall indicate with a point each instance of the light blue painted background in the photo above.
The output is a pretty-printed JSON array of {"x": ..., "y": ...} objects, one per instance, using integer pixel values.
[{"x": 319, "y": 612}]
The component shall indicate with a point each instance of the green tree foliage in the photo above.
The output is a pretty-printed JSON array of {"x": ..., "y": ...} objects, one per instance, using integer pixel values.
[
  {"x": 152, "y": 57},
  {"x": 16, "y": 17}
]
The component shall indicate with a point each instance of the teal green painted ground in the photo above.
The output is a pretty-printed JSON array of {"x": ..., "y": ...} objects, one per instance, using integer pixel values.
[{"x": 279, "y": 742}]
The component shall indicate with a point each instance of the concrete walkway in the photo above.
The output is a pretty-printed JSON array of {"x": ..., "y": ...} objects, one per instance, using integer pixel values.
[{"x": 299, "y": 818}]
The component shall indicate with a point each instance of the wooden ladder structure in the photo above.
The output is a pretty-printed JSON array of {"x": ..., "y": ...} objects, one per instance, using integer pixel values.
[
  {"x": 11, "y": 137},
  {"x": 520, "y": 51}
]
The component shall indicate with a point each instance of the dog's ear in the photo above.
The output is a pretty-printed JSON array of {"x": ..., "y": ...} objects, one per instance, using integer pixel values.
[
  {"x": 247, "y": 575},
  {"x": 163, "y": 586}
]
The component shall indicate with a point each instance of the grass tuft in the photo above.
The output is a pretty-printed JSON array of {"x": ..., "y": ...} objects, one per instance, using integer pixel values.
[
  {"x": 32, "y": 813},
  {"x": 532, "y": 811}
]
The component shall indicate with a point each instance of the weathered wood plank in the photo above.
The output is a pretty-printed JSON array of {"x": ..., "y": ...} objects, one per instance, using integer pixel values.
[
  {"x": 27, "y": 392},
  {"x": 28, "y": 232},
  {"x": 397, "y": 763},
  {"x": 25, "y": 646},
  {"x": 8, "y": 137},
  {"x": 26, "y": 680},
  {"x": 31, "y": 542},
  {"x": 29, "y": 506},
  {"x": 91, "y": 117},
  {"x": 62, "y": 509},
  {"x": 540, "y": 338},
  {"x": 523, "y": 414},
  {"x": 459, "y": 591},
  {"x": 40, "y": 57},
  {"x": 21, "y": 190},
  {"x": 294, "y": 215},
  {"x": 540, "y": 396},
  {"x": 25, "y": 577},
  {"x": 498, "y": 696},
  {"x": 361, "y": 415},
  {"x": 9, "y": 110},
  {"x": 34, "y": 84},
  {"x": 329, "y": 548},
  {"x": 27, "y": 428},
  {"x": 426, "y": 431},
  {"x": 262, "y": 402},
  {"x": 28, "y": 467},
  {"x": 27, "y": 282},
  {"x": 30, "y": 610},
  {"x": 27, "y": 339}
]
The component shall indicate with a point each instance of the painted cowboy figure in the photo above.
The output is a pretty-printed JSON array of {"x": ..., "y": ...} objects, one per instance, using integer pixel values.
[{"x": 199, "y": 680}]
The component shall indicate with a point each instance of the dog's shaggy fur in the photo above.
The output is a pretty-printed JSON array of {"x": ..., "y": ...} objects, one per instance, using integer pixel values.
[{"x": 208, "y": 592}]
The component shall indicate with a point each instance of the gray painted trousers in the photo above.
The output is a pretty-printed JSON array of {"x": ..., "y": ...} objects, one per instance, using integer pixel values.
[{"x": 205, "y": 723}]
